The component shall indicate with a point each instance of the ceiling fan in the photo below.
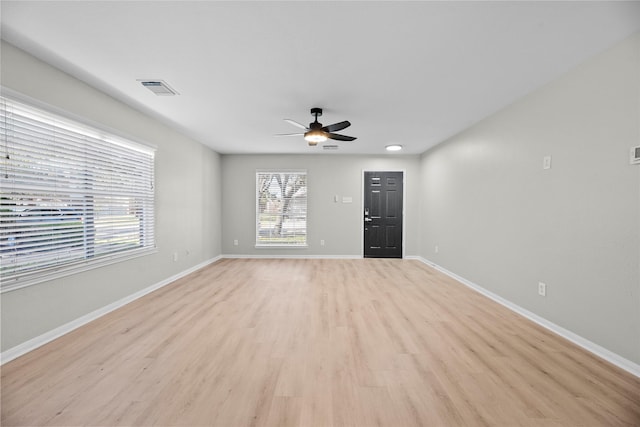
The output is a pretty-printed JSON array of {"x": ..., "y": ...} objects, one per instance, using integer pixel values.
[{"x": 316, "y": 133}]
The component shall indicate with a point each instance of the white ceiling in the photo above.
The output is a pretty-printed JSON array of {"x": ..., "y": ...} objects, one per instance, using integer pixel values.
[{"x": 412, "y": 73}]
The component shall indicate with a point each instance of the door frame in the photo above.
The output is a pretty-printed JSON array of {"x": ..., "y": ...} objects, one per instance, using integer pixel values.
[{"x": 404, "y": 198}]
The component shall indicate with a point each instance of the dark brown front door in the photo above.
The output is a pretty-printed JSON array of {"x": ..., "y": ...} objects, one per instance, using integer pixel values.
[{"x": 383, "y": 214}]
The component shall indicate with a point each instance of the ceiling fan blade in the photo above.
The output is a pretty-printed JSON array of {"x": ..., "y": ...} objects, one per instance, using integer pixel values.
[
  {"x": 338, "y": 137},
  {"x": 337, "y": 126},
  {"x": 293, "y": 122},
  {"x": 289, "y": 134}
]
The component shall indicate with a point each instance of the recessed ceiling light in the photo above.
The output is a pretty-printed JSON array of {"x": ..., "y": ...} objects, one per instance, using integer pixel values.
[{"x": 393, "y": 147}]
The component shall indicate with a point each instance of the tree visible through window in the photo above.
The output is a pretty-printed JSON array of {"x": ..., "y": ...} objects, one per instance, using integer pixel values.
[{"x": 281, "y": 208}]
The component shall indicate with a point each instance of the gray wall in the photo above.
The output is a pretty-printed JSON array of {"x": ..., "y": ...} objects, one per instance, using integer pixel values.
[
  {"x": 338, "y": 224},
  {"x": 188, "y": 214},
  {"x": 504, "y": 223},
  {"x": 482, "y": 197}
]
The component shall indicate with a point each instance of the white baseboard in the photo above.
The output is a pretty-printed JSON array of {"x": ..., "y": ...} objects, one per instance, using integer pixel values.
[
  {"x": 32, "y": 344},
  {"x": 275, "y": 256},
  {"x": 609, "y": 356}
]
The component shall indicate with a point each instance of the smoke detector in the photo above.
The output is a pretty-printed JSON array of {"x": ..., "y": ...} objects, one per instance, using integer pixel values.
[{"x": 159, "y": 87}]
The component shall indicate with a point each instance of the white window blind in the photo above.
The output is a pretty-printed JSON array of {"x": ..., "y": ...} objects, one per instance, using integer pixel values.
[
  {"x": 281, "y": 208},
  {"x": 71, "y": 196}
]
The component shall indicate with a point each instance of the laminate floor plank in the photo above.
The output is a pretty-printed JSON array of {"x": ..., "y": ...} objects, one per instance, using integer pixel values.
[{"x": 295, "y": 342}]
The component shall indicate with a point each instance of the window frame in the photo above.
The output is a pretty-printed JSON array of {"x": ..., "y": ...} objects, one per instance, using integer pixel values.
[
  {"x": 280, "y": 244},
  {"x": 84, "y": 260}
]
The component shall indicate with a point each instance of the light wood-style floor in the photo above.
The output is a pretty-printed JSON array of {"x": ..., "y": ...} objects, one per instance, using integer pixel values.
[{"x": 368, "y": 342}]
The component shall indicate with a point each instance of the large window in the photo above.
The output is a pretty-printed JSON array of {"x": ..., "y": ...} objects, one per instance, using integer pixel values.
[
  {"x": 281, "y": 208},
  {"x": 72, "y": 196}
]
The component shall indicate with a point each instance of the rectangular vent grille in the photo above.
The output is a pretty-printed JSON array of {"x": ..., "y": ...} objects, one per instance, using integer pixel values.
[
  {"x": 329, "y": 147},
  {"x": 159, "y": 87},
  {"x": 635, "y": 155}
]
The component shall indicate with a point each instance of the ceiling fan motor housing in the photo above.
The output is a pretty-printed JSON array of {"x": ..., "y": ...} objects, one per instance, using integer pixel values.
[{"x": 317, "y": 112}]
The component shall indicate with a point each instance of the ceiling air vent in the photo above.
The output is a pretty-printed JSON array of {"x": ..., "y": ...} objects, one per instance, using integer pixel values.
[
  {"x": 159, "y": 87},
  {"x": 329, "y": 147}
]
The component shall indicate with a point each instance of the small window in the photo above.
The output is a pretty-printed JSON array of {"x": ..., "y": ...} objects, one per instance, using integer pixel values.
[
  {"x": 281, "y": 208},
  {"x": 72, "y": 196}
]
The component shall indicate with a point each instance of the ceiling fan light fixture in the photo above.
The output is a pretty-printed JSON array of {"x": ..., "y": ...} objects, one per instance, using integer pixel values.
[
  {"x": 393, "y": 147},
  {"x": 314, "y": 136}
]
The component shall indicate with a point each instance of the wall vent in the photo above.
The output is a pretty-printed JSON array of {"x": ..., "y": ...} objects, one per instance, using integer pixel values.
[
  {"x": 159, "y": 87},
  {"x": 329, "y": 147},
  {"x": 635, "y": 155}
]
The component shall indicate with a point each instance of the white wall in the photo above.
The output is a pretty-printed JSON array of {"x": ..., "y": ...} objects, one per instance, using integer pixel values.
[
  {"x": 338, "y": 224},
  {"x": 502, "y": 222},
  {"x": 188, "y": 213}
]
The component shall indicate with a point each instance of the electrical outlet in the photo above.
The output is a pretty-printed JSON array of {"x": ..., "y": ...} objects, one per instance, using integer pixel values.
[
  {"x": 175, "y": 256},
  {"x": 321, "y": 242},
  {"x": 235, "y": 242},
  {"x": 542, "y": 289},
  {"x": 546, "y": 162},
  {"x": 436, "y": 249}
]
